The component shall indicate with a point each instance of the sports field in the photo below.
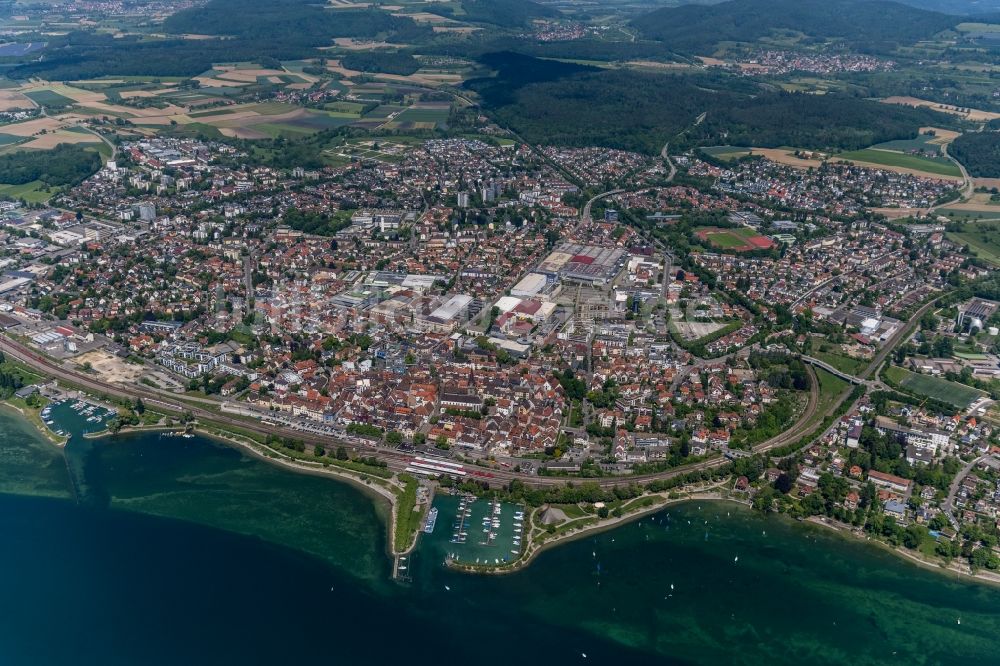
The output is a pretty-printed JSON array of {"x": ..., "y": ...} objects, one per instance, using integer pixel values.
[
  {"x": 953, "y": 393},
  {"x": 741, "y": 239}
]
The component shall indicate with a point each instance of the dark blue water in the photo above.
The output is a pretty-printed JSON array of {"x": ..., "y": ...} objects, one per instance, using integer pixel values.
[{"x": 87, "y": 586}]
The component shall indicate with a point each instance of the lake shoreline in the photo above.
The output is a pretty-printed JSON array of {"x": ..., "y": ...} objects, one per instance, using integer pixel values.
[
  {"x": 387, "y": 499},
  {"x": 603, "y": 525},
  {"x": 381, "y": 496},
  {"x": 953, "y": 569},
  {"x": 38, "y": 424}
]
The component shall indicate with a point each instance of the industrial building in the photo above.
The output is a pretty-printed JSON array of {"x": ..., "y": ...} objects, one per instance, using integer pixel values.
[{"x": 589, "y": 264}]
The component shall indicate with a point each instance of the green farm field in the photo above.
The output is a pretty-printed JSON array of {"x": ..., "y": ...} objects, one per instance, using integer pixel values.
[
  {"x": 936, "y": 166},
  {"x": 48, "y": 98},
  {"x": 424, "y": 114},
  {"x": 30, "y": 192},
  {"x": 982, "y": 236},
  {"x": 726, "y": 153}
]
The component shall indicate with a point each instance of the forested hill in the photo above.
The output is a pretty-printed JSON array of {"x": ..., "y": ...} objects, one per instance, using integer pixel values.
[
  {"x": 979, "y": 152},
  {"x": 247, "y": 31},
  {"x": 958, "y": 7},
  {"x": 873, "y": 26},
  {"x": 504, "y": 13},
  {"x": 566, "y": 104},
  {"x": 300, "y": 22}
]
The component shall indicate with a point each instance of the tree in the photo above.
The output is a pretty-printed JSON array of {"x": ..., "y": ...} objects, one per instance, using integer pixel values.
[
  {"x": 341, "y": 453},
  {"x": 140, "y": 406},
  {"x": 813, "y": 504},
  {"x": 764, "y": 499},
  {"x": 914, "y": 535}
]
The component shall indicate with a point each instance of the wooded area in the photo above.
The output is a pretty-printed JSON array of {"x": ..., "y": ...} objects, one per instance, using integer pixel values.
[
  {"x": 979, "y": 152},
  {"x": 66, "y": 164}
]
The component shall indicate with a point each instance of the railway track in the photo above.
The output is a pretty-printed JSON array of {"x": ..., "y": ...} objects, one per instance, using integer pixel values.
[{"x": 396, "y": 460}]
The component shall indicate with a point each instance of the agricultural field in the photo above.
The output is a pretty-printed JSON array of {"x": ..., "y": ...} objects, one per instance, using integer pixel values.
[
  {"x": 43, "y": 133},
  {"x": 929, "y": 144},
  {"x": 904, "y": 162},
  {"x": 48, "y": 98},
  {"x": 976, "y": 115},
  {"x": 726, "y": 153},
  {"x": 33, "y": 192},
  {"x": 956, "y": 213},
  {"x": 788, "y": 156},
  {"x": 983, "y": 237},
  {"x": 11, "y": 100},
  {"x": 421, "y": 116},
  {"x": 811, "y": 84},
  {"x": 344, "y": 109},
  {"x": 956, "y": 394},
  {"x": 740, "y": 239}
]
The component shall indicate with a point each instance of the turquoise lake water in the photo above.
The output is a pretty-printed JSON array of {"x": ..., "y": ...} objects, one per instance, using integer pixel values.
[{"x": 157, "y": 550}]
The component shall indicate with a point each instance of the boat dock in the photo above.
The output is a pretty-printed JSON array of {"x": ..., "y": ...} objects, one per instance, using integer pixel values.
[
  {"x": 496, "y": 529},
  {"x": 431, "y": 521},
  {"x": 401, "y": 569}
]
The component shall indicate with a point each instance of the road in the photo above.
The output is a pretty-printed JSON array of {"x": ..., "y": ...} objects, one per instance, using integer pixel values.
[
  {"x": 968, "y": 185},
  {"x": 949, "y": 501},
  {"x": 585, "y": 215},
  {"x": 665, "y": 154},
  {"x": 900, "y": 335}
]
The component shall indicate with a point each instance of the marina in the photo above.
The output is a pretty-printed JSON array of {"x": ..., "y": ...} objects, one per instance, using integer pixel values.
[
  {"x": 484, "y": 532},
  {"x": 68, "y": 418}
]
